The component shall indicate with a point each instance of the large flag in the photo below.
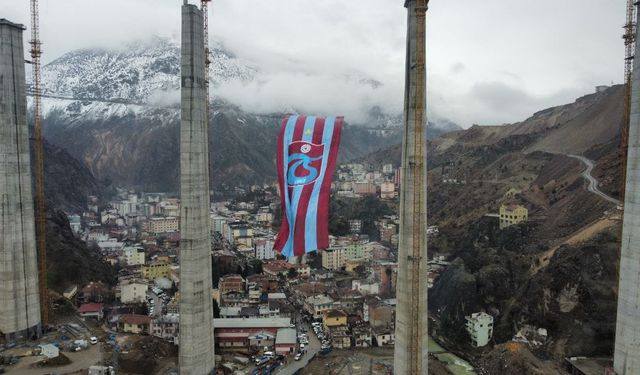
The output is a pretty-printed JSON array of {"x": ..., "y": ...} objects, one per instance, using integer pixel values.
[{"x": 306, "y": 158}]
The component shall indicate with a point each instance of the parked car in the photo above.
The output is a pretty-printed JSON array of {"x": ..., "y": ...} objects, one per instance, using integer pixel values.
[
  {"x": 325, "y": 351},
  {"x": 262, "y": 360},
  {"x": 298, "y": 356},
  {"x": 93, "y": 340}
]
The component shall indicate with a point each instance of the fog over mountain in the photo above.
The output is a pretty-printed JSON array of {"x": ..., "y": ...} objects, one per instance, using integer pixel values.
[{"x": 519, "y": 57}]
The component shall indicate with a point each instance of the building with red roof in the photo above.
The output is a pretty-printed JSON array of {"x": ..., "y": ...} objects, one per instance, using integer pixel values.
[
  {"x": 132, "y": 323},
  {"x": 92, "y": 310}
]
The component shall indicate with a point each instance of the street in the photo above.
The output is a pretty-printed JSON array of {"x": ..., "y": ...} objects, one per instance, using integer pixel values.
[
  {"x": 157, "y": 304},
  {"x": 312, "y": 349},
  {"x": 593, "y": 183}
]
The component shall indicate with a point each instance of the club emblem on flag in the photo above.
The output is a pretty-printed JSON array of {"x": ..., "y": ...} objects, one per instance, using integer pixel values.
[
  {"x": 306, "y": 157},
  {"x": 305, "y": 162}
]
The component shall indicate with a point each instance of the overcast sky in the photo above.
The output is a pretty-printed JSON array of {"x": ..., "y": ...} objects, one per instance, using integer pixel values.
[{"x": 488, "y": 62}]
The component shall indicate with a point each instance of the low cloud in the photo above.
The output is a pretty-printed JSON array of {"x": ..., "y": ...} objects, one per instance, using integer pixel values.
[
  {"x": 322, "y": 94},
  {"x": 164, "y": 98}
]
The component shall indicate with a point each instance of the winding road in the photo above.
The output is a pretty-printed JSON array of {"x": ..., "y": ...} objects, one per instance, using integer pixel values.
[{"x": 593, "y": 183}]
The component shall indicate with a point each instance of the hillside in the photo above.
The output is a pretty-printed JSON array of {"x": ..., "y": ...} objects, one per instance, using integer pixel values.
[
  {"x": 69, "y": 261},
  {"x": 68, "y": 182},
  {"x": 67, "y": 185},
  {"x": 557, "y": 271},
  {"x": 136, "y": 151},
  {"x": 571, "y": 128}
]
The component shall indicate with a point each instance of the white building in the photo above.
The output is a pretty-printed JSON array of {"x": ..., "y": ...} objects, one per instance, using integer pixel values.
[
  {"x": 366, "y": 287},
  {"x": 217, "y": 223},
  {"x": 75, "y": 223},
  {"x": 111, "y": 245},
  {"x": 133, "y": 256},
  {"x": 166, "y": 327},
  {"x": 355, "y": 226},
  {"x": 388, "y": 190},
  {"x": 264, "y": 249},
  {"x": 480, "y": 328},
  {"x": 133, "y": 291}
]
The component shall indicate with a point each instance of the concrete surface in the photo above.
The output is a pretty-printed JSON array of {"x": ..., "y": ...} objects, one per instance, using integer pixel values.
[
  {"x": 196, "y": 349},
  {"x": 19, "y": 298},
  {"x": 411, "y": 332},
  {"x": 627, "y": 347}
]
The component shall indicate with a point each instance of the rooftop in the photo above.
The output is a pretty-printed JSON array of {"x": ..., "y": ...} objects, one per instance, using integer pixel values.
[
  {"x": 168, "y": 318},
  {"x": 319, "y": 299},
  {"x": 286, "y": 336},
  {"x": 4, "y": 21},
  {"x": 335, "y": 313},
  {"x": 251, "y": 322},
  {"x": 135, "y": 319},
  {"x": 91, "y": 307}
]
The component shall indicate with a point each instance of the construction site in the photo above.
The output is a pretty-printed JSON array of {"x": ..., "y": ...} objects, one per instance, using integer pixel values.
[{"x": 36, "y": 338}]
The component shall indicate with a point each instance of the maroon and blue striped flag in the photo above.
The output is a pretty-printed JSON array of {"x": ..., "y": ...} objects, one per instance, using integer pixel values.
[{"x": 306, "y": 158}]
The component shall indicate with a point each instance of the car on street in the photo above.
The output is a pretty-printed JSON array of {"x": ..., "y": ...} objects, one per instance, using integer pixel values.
[
  {"x": 93, "y": 340},
  {"x": 298, "y": 356},
  {"x": 324, "y": 351},
  {"x": 262, "y": 360}
]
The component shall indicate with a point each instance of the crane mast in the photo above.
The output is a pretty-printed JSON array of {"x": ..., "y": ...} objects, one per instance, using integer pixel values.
[
  {"x": 36, "y": 53},
  {"x": 629, "y": 38},
  {"x": 207, "y": 61}
]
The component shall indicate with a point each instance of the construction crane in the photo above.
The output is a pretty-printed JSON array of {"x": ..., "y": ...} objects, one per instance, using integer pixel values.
[
  {"x": 629, "y": 38},
  {"x": 204, "y": 6},
  {"x": 36, "y": 53}
]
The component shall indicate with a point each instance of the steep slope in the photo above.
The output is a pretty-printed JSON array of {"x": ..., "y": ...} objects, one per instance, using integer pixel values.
[
  {"x": 557, "y": 271},
  {"x": 68, "y": 182},
  {"x": 69, "y": 261},
  {"x": 571, "y": 128}
]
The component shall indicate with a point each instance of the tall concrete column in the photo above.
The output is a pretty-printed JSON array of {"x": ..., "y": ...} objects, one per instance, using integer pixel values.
[
  {"x": 196, "y": 307},
  {"x": 19, "y": 298},
  {"x": 411, "y": 331},
  {"x": 627, "y": 349}
]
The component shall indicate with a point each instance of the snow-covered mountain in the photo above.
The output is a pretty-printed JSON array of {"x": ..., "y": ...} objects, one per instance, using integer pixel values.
[
  {"x": 142, "y": 72},
  {"x": 118, "y": 112}
]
